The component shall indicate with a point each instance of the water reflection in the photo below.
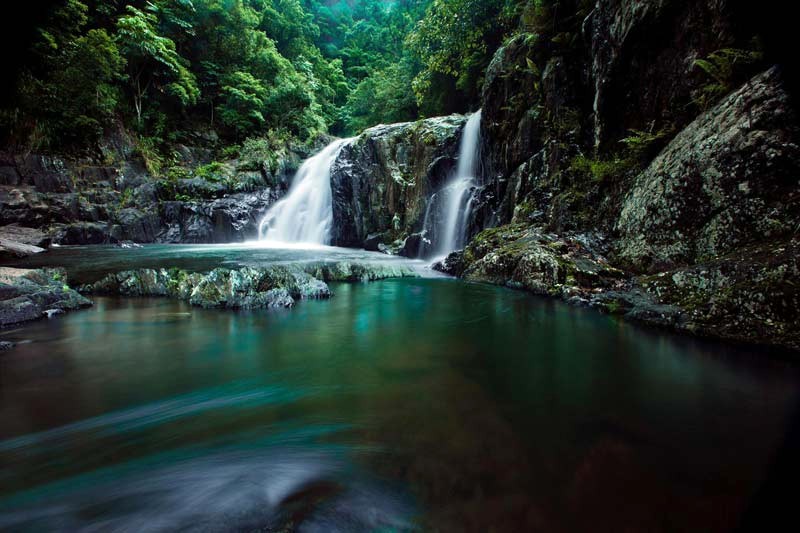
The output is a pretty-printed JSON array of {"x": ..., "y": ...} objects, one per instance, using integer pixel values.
[{"x": 430, "y": 403}]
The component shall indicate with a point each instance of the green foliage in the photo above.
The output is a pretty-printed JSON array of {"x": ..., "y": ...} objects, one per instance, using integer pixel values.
[
  {"x": 724, "y": 70},
  {"x": 214, "y": 171},
  {"x": 148, "y": 149},
  {"x": 383, "y": 97},
  {"x": 247, "y": 67},
  {"x": 601, "y": 170},
  {"x": 257, "y": 153},
  {"x": 126, "y": 198},
  {"x": 454, "y": 42},
  {"x": 153, "y": 61},
  {"x": 643, "y": 145}
]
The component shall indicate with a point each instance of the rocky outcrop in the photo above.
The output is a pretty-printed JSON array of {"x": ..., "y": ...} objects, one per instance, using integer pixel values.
[
  {"x": 704, "y": 241},
  {"x": 730, "y": 179},
  {"x": 643, "y": 57},
  {"x": 32, "y": 294},
  {"x": 244, "y": 288},
  {"x": 381, "y": 181},
  {"x": 525, "y": 257},
  {"x": 18, "y": 241},
  {"x": 112, "y": 207}
]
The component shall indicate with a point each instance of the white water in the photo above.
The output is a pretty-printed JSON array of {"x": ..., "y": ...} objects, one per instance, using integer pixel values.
[
  {"x": 305, "y": 214},
  {"x": 455, "y": 199}
]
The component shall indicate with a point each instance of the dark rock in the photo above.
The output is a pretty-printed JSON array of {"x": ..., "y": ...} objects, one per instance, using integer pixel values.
[
  {"x": 382, "y": 179},
  {"x": 373, "y": 241},
  {"x": 135, "y": 225},
  {"x": 6, "y": 345},
  {"x": 412, "y": 246},
  {"x": 81, "y": 233},
  {"x": 642, "y": 61},
  {"x": 728, "y": 180},
  {"x": 453, "y": 264},
  {"x": 48, "y": 174},
  {"x": 31, "y": 294},
  {"x": 9, "y": 175}
]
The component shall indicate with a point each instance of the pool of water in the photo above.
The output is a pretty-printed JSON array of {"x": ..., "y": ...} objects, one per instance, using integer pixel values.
[{"x": 427, "y": 404}]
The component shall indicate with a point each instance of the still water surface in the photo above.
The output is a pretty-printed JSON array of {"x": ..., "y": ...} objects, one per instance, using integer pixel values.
[{"x": 398, "y": 405}]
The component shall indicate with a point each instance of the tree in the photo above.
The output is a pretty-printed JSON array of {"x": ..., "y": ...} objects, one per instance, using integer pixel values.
[
  {"x": 153, "y": 62},
  {"x": 455, "y": 42}
]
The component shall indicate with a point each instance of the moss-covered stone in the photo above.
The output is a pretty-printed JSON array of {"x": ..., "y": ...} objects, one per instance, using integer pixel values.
[{"x": 31, "y": 294}]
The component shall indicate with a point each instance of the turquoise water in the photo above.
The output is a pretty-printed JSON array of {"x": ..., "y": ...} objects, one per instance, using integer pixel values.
[
  {"x": 85, "y": 264},
  {"x": 398, "y": 405}
]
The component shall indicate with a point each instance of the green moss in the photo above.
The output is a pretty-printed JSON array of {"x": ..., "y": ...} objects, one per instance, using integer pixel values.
[
  {"x": 601, "y": 170},
  {"x": 613, "y": 307}
]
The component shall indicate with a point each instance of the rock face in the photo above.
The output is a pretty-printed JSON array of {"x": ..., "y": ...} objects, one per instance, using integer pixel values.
[
  {"x": 705, "y": 239},
  {"x": 642, "y": 56},
  {"x": 730, "y": 179},
  {"x": 610, "y": 187},
  {"x": 382, "y": 180},
  {"x": 82, "y": 201},
  {"x": 32, "y": 294}
]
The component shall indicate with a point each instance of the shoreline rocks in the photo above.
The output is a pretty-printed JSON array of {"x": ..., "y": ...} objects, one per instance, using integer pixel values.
[
  {"x": 245, "y": 287},
  {"x": 33, "y": 294}
]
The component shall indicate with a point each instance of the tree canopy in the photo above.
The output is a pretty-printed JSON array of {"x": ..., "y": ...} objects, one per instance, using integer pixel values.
[{"x": 244, "y": 68}]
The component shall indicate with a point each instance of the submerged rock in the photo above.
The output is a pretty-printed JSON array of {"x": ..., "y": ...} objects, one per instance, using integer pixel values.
[{"x": 245, "y": 287}]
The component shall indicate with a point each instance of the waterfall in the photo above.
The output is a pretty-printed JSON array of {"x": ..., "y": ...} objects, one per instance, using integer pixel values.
[
  {"x": 451, "y": 205},
  {"x": 305, "y": 214}
]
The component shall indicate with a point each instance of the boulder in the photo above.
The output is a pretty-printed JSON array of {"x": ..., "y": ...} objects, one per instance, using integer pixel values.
[
  {"x": 382, "y": 179},
  {"x": 31, "y": 294},
  {"x": 728, "y": 180}
]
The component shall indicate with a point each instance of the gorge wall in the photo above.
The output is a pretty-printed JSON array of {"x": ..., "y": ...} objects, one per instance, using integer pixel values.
[{"x": 621, "y": 175}]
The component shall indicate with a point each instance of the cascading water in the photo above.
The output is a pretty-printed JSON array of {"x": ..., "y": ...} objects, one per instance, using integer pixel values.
[
  {"x": 305, "y": 214},
  {"x": 448, "y": 222}
]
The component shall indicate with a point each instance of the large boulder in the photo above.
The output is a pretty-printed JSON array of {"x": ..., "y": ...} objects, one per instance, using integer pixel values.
[
  {"x": 31, "y": 294},
  {"x": 381, "y": 181},
  {"x": 729, "y": 179}
]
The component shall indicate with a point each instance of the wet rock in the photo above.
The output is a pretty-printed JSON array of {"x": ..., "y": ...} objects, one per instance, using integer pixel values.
[
  {"x": 381, "y": 181},
  {"x": 453, "y": 264},
  {"x": 526, "y": 257},
  {"x": 9, "y": 175},
  {"x": 244, "y": 288},
  {"x": 31, "y": 294},
  {"x": 728, "y": 180},
  {"x": 19, "y": 241},
  {"x": 748, "y": 295},
  {"x": 132, "y": 224},
  {"x": 642, "y": 61},
  {"x": 81, "y": 233}
]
